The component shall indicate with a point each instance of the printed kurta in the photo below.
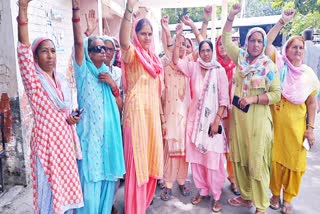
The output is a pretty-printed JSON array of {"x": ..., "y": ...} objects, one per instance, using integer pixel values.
[
  {"x": 176, "y": 100},
  {"x": 141, "y": 118},
  {"x": 51, "y": 141}
]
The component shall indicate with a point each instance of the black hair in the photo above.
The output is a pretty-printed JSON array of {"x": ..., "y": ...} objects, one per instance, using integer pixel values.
[
  {"x": 206, "y": 41},
  {"x": 142, "y": 22},
  {"x": 307, "y": 34},
  {"x": 40, "y": 46}
]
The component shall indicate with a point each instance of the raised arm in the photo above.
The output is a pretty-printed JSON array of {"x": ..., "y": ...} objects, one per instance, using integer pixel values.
[
  {"x": 126, "y": 24},
  {"x": 77, "y": 34},
  {"x": 179, "y": 40},
  {"x": 91, "y": 21},
  {"x": 22, "y": 20},
  {"x": 236, "y": 8},
  {"x": 206, "y": 17},
  {"x": 187, "y": 21},
  {"x": 167, "y": 42},
  {"x": 287, "y": 16}
]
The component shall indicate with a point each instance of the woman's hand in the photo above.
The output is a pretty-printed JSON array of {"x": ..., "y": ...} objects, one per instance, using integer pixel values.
[
  {"x": 207, "y": 13},
  {"x": 187, "y": 21},
  {"x": 165, "y": 22},
  {"x": 92, "y": 22},
  {"x": 23, "y": 3},
  {"x": 73, "y": 119},
  {"x": 310, "y": 136},
  {"x": 106, "y": 78},
  {"x": 214, "y": 127},
  {"x": 244, "y": 101},
  {"x": 132, "y": 3},
  {"x": 75, "y": 3},
  {"x": 236, "y": 8},
  {"x": 288, "y": 15},
  {"x": 179, "y": 29}
]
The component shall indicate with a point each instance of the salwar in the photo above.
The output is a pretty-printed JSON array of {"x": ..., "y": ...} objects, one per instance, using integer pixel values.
[
  {"x": 136, "y": 198},
  {"x": 208, "y": 180},
  {"x": 97, "y": 196},
  {"x": 286, "y": 178},
  {"x": 253, "y": 189},
  {"x": 175, "y": 168}
]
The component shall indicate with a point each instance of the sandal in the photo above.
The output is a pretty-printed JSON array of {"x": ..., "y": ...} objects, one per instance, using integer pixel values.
[
  {"x": 287, "y": 208},
  {"x": 166, "y": 194},
  {"x": 240, "y": 202},
  {"x": 235, "y": 189},
  {"x": 161, "y": 184},
  {"x": 196, "y": 200},
  {"x": 185, "y": 191},
  {"x": 275, "y": 202},
  {"x": 217, "y": 206}
]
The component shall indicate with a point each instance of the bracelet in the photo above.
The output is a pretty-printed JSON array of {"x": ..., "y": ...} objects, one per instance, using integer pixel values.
[
  {"x": 127, "y": 9},
  {"x": 116, "y": 92},
  {"x": 229, "y": 20},
  {"x": 75, "y": 8},
  {"x": 169, "y": 45},
  {"x": 282, "y": 22},
  {"x": 205, "y": 21},
  {"x": 219, "y": 116},
  {"x": 21, "y": 22},
  {"x": 85, "y": 33},
  {"x": 74, "y": 20},
  {"x": 311, "y": 126},
  {"x": 258, "y": 99}
]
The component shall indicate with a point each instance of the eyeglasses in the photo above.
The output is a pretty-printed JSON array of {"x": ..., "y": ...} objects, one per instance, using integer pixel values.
[{"x": 97, "y": 49}]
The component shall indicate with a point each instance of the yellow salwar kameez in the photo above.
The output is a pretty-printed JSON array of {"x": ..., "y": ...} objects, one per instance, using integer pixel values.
[{"x": 251, "y": 135}]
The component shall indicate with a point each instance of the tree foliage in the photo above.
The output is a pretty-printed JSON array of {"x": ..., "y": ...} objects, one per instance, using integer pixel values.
[
  {"x": 307, "y": 16},
  {"x": 256, "y": 8}
]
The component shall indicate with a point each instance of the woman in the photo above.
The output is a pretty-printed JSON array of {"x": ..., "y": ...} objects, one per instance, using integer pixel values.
[
  {"x": 251, "y": 132},
  {"x": 54, "y": 173},
  {"x": 189, "y": 46},
  {"x": 99, "y": 130},
  {"x": 205, "y": 147},
  {"x": 299, "y": 85},
  {"x": 115, "y": 71},
  {"x": 142, "y": 82},
  {"x": 229, "y": 67},
  {"x": 175, "y": 103}
]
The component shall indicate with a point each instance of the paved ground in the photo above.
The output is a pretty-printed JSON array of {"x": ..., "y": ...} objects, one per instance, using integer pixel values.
[{"x": 18, "y": 200}]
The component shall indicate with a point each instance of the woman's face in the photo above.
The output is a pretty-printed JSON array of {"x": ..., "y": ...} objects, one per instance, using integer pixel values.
[
  {"x": 206, "y": 52},
  {"x": 188, "y": 47},
  {"x": 221, "y": 49},
  {"x": 295, "y": 52},
  {"x": 110, "y": 51},
  {"x": 98, "y": 52},
  {"x": 145, "y": 36},
  {"x": 46, "y": 56},
  {"x": 255, "y": 44}
]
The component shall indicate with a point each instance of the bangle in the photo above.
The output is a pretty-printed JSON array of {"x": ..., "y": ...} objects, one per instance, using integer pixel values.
[
  {"x": 282, "y": 22},
  {"x": 75, "y": 8},
  {"x": 219, "y": 116},
  {"x": 205, "y": 21},
  {"x": 21, "y": 22},
  {"x": 127, "y": 9},
  {"x": 229, "y": 20},
  {"x": 258, "y": 99},
  {"x": 127, "y": 19},
  {"x": 116, "y": 92},
  {"x": 85, "y": 33},
  {"x": 74, "y": 20},
  {"x": 169, "y": 45},
  {"x": 311, "y": 126}
]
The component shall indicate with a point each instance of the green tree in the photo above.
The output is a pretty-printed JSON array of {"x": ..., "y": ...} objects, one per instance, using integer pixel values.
[{"x": 256, "y": 8}]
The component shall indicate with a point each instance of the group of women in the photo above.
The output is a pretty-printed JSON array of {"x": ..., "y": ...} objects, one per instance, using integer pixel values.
[{"x": 253, "y": 106}]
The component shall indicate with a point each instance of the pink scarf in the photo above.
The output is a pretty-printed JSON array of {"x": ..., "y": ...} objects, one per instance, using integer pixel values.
[
  {"x": 297, "y": 83},
  {"x": 148, "y": 58}
]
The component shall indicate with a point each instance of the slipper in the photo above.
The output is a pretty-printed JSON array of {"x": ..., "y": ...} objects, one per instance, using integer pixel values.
[
  {"x": 166, "y": 194},
  {"x": 274, "y": 203},
  {"x": 217, "y": 206},
  {"x": 196, "y": 200},
  {"x": 235, "y": 189},
  {"x": 239, "y": 202},
  {"x": 287, "y": 208},
  {"x": 185, "y": 191}
]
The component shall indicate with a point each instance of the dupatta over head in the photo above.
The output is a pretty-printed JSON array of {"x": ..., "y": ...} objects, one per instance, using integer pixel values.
[
  {"x": 297, "y": 83},
  {"x": 148, "y": 58},
  {"x": 261, "y": 66}
]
